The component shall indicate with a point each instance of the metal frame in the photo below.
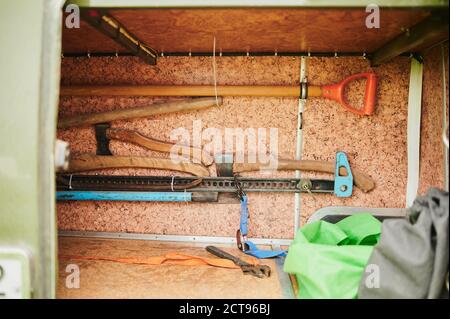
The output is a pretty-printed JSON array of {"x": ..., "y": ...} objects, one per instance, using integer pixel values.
[
  {"x": 225, "y": 54},
  {"x": 348, "y": 210},
  {"x": 287, "y": 289},
  {"x": 69, "y": 182},
  {"x": 299, "y": 142},
  {"x": 413, "y": 130},
  {"x": 173, "y": 238}
]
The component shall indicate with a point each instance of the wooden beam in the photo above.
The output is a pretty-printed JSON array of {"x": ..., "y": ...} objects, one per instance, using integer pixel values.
[
  {"x": 430, "y": 30},
  {"x": 105, "y": 23}
]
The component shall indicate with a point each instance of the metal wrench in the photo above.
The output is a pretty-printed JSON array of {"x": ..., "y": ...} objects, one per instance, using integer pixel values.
[{"x": 259, "y": 271}]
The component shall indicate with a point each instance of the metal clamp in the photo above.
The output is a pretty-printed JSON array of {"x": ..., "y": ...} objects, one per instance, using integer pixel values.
[
  {"x": 239, "y": 191},
  {"x": 305, "y": 185},
  {"x": 303, "y": 90},
  {"x": 241, "y": 241}
]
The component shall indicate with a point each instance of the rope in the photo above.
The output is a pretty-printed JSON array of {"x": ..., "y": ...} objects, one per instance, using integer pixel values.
[{"x": 173, "y": 258}]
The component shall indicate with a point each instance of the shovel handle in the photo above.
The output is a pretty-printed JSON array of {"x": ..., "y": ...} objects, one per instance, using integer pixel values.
[{"x": 336, "y": 92}]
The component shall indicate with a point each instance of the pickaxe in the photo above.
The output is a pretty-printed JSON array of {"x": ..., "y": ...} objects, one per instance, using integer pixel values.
[{"x": 225, "y": 166}]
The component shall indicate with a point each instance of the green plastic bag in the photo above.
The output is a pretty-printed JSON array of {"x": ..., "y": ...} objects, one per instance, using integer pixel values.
[{"x": 328, "y": 260}]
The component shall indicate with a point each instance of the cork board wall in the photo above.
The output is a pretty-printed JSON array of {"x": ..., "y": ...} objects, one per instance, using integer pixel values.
[
  {"x": 375, "y": 145},
  {"x": 432, "y": 149}
]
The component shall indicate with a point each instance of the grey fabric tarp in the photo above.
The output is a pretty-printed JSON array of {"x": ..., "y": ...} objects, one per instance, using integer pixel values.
[{"x": 412, "y": 255}]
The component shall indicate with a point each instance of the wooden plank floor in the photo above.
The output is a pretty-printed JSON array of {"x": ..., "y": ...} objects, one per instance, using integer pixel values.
[{"x": 106, "y": 279}]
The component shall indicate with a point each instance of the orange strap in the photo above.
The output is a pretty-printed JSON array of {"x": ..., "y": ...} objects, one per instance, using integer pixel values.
[{"x": 168, "y": 259}]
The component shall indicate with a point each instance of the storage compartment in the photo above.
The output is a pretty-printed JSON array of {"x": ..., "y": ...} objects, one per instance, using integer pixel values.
[{"x": 221, "y": 48}]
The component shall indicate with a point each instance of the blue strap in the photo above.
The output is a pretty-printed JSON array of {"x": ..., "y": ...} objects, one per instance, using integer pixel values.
[
  {"x": 252, "y": 249},
  {"x": 244, "y": 216},
  {"x": 261, "y": 254}
]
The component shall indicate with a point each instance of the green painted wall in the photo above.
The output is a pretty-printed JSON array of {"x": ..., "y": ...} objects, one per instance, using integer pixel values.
[{"x": 25, "y": 154}]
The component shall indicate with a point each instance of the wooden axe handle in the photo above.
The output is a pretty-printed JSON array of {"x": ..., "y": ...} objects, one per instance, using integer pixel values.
[
  {"x": 88, "y": 162},
  {"x": 363, "y": 181},
  {"x": 196, "y": 154},
  {"x": 138, "y": 112}
]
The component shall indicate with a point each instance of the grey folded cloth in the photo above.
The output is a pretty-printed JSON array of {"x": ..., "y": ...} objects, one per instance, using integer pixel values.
[{"x": 411, "y": 258}]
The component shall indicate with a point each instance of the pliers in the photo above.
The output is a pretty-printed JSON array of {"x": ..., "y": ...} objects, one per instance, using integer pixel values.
[{"x": 259, "y": 271}]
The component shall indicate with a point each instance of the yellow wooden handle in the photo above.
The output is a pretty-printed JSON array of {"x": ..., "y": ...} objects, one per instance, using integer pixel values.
[
  {"x": 89, "y": 162},
  {"x": 138, "y": 112},
  {"x": 196, "y": 154},
  {"x": 363, "y": 181},
  {"x": 189, "y": 90}
]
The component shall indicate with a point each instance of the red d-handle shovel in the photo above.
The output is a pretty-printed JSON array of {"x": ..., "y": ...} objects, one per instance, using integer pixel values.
[{"x": 336, "y": 92}]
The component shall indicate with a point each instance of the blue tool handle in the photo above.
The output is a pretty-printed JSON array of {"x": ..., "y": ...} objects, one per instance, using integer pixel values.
[{"x": 125, "y": 196}]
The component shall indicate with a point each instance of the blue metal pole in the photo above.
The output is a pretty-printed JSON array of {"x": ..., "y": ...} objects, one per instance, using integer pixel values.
[{"x": 125, "y": 196}]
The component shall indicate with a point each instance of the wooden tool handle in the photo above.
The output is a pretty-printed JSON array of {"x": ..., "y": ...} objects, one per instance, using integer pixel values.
[
  {"x": 363, "y": 181},
  {"x": 195, "y": 154},
  {"x": 88, "y": 162},
  {"x": 189, "y": 90},
  {"x": 223, "y": 254},
  {"x": 137, "y": 112}
]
